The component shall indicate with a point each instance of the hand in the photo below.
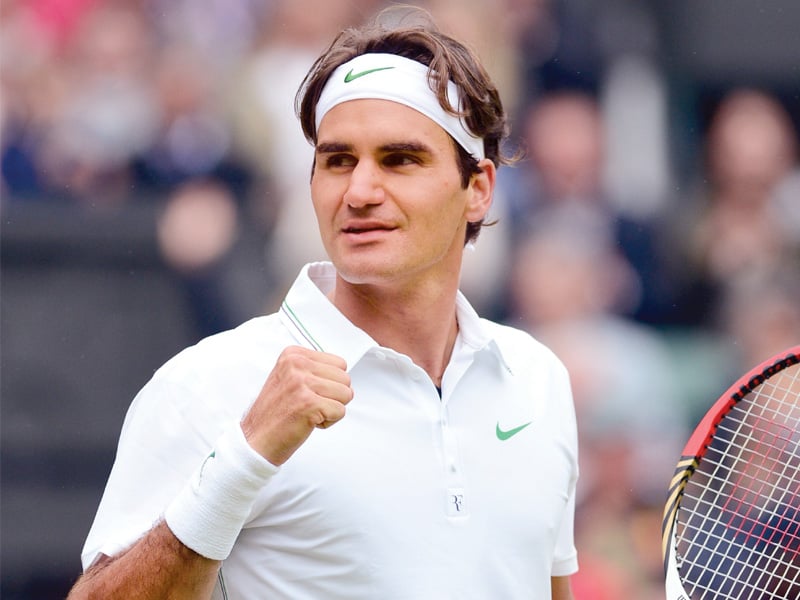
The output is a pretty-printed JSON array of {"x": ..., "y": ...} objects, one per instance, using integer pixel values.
[{"x": 306, "y": 389}]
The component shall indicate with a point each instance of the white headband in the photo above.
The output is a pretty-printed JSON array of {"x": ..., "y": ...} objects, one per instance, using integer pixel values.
[{"x": 399, "y": 79}]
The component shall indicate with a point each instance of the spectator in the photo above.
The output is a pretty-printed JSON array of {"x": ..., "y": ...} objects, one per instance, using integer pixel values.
[
  {"x": 80, "y": 106},
  {"x": 567, "y": 278},
  {"x": 760, "y": 315},
  {"x": 564, "y": 137},
  {"x": 741, "y": 222},
  {"x": 109, "y": 114}
]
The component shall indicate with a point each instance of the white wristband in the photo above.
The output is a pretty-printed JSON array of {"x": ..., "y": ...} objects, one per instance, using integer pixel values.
[{"x": 208, "y": 514}]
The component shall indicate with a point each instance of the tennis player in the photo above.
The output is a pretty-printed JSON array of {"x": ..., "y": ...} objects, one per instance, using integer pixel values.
[{"x": 374, "y": 438}]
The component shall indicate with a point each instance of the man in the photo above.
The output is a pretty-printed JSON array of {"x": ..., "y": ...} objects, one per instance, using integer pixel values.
[{"x": 374, "y": 438}]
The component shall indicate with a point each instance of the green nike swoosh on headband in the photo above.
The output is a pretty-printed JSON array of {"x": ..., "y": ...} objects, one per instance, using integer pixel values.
[
  {"x": 351, "y": 76},
  {"x": 504, "y": 435}
]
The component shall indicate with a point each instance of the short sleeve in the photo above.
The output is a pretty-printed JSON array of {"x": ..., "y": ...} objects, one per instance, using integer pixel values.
[{"x": 165, "y": 435}]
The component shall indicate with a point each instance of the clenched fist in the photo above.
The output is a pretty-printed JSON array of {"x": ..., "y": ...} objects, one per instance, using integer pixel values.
[{"x": 306, "y": 389}]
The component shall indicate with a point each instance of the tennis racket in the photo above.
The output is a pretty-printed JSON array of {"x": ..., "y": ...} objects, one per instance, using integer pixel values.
[{"x": 731, "y": 526}]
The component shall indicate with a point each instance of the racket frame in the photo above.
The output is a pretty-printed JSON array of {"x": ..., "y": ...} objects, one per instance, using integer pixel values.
[{"x": 695, "y": 449}]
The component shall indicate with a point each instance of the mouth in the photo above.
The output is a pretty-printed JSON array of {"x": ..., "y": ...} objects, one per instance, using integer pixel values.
[
  {"x": 361, "y": 234},
  {"x": 364, "y": 228}
]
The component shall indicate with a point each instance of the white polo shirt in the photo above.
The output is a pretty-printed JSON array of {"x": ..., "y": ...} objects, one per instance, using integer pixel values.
[{"x": 414, "y": 496}]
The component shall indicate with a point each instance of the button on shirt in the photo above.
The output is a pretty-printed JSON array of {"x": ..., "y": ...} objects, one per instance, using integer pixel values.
[{"x": 411, "y": 495}]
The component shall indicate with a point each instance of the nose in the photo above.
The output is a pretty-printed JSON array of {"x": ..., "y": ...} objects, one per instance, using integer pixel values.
[{"x": 364, "y": 187}]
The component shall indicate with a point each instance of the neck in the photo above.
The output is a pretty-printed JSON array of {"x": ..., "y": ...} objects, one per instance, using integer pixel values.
[{"x": 419, "y": 322}]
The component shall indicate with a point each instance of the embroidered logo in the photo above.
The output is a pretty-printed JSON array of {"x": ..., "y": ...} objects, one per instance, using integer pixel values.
[
  {"x": 456, "y": 503},
  {"x": 203, "y": 466},
  {"x": 351, "y": 76},
  {"x": 504, "y": 435}
]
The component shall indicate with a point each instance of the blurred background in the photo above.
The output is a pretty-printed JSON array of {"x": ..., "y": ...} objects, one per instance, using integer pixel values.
[{"x": 154, "y": 190}]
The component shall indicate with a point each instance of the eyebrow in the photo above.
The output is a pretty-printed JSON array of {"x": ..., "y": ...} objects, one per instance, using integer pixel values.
[
  {"x": 411, "y": 146},
  {"x": 332, "y": 147}
]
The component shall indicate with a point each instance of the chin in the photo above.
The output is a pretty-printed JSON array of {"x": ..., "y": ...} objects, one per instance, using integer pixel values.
[
  {"x": 362, "y": 270},
  {"x": 362, "y": 275}
]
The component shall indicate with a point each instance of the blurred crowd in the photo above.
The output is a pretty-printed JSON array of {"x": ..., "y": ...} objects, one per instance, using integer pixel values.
[{"x": 655, "y": 287}]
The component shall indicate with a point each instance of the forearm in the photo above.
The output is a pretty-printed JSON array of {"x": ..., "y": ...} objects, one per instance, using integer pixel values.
[
  {"x": 561, "y": 589},
  {"x": 207, "y": 515},
  {"x": 157, "y": 566}
]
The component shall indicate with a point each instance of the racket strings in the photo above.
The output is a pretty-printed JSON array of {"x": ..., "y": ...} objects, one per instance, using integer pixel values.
[{"x": 738, "y": 529}]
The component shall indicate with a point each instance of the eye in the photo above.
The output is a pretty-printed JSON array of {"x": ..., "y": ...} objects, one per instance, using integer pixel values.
[
  {"x": 397, "y": 159},
  {"x": 338, "y": 161}
]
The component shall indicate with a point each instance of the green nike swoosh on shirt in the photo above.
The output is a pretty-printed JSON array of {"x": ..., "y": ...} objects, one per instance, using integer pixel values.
[
  {"x": 351, "y": 76},
  {"x": 504, "y": 435}
]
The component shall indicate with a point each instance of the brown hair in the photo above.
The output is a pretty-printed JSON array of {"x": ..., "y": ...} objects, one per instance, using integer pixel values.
[{"x": 446, "y": 58}]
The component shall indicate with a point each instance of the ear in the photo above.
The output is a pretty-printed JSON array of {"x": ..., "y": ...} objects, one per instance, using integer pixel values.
[{"x": 481, "y": 188}]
